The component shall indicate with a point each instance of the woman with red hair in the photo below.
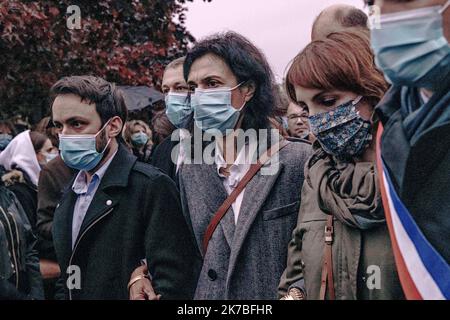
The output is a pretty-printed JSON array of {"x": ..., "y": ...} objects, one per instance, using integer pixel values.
[{"x": 340, "y": 247}]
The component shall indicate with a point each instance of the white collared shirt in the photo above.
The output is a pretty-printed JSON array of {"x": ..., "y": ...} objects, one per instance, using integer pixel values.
[
  {"x": 237, "y": 171},
  {"x": 86, "y": 193},
  {"x": 184, "y": 134}
]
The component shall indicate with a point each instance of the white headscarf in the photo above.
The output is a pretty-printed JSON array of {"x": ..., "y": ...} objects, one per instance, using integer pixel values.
[{"x": 20, "y": 154}]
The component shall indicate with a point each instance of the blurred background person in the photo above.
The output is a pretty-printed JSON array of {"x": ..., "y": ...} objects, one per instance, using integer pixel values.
[
  {"x": 298, "y": 122},
  {"x": 339, "y": 17},
  {"x": 178, "y": 111},
  {"x": 138, "y": 137},
  {"x": 7, "y": 133},
  {"x": 53, "y": 179},
  {"x": 19, "y": 263},
  {"x": 341, "y": 227},
  {"x": 23, "y": 160},
  {"x": 162, "y": 127},
  {"x": 45, "y": 126}
]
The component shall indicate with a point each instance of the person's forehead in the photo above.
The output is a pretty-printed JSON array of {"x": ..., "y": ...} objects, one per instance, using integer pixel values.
[
  {"x": 68, "y": 106},
  {"x": 209, "y": 65},
  {"x": 305, "y": 94},
  {"x": 47, "y": 144},
  {"x": 172, "y": 76},
  {"x": 138, "y": 126},
  {"x": 294, "y": 108}
]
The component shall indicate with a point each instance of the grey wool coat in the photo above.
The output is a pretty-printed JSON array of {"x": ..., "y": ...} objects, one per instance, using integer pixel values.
[{"x": 245, "y": 260}]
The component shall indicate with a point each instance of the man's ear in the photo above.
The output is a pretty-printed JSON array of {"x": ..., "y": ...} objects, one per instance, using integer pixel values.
[
  {"x": 249, "y": 90},
  {"x": 116, "y": 125}
]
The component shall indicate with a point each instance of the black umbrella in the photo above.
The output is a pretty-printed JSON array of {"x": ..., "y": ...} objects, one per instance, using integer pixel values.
[{"x": 140, "y": 97}]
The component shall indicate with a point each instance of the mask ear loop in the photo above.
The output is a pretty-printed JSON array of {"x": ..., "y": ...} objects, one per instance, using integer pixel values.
[
  {"x": 357, "y": 100},
  {"x": 237, "y": 86},
  {"x": 445, "y": 7},
  {"x": 104, "y": 126},
  {"x": 245, "y": 102}
]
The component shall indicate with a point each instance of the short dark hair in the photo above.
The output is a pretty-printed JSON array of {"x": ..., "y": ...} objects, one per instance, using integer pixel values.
[
  {"x": 108, "y": 99},
  {"x": 162, "y": 127},
  {"x": 248, "y": 64}
]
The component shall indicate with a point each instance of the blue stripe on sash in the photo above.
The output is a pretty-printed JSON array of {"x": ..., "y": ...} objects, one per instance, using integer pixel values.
[{"x": 432, "y": 260}]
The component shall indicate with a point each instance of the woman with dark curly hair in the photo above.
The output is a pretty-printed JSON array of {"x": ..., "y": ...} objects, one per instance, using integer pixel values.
[{"x": 233, "y": 93}]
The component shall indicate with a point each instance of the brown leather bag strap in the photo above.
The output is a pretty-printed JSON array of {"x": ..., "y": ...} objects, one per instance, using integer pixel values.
[
  {"x": 223, "y": 209},
  {"x": 327, "y": 267}
]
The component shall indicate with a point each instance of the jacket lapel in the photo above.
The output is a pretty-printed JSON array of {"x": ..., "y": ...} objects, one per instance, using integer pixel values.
[
  {"x": 116, "y": 176},
  {"x": 218, "y": 196},
  {"x": 101, "y": 204},
  {"x": 62, "y": 226},
  {"x": 255, "y": 194}
]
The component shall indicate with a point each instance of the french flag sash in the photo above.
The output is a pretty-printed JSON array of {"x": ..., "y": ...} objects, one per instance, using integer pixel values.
[{"x": 423, "y": 273}]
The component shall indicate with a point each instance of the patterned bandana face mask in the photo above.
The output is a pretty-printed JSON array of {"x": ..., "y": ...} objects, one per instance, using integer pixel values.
[{"x": 342, "y": 132}]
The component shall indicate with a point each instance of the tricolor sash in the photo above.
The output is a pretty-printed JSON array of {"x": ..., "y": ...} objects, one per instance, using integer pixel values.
[{"x": 423, "y": 273}]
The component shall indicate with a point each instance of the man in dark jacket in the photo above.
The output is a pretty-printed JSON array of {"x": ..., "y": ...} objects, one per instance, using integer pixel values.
[
  {"x": 53, "y": 179},
  {"x": 173, "y": 86},
  {"x": 116, "y": 210},
  {"x": 412, "y": 49}
]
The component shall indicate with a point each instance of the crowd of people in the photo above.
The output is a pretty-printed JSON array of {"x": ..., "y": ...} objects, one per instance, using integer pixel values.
[{"x": 345, "y": 197}]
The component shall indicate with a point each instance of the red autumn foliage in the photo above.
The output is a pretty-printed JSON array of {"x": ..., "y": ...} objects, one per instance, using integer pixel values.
[{"x": 125, "y": 41}]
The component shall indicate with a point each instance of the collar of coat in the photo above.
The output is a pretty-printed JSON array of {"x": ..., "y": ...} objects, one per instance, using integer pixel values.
[{"x": 117, "y": 175}]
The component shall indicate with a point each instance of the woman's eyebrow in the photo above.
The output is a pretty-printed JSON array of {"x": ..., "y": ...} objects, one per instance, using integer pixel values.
[
  {"x": 211, "y": 77},
  {"x": 318, "y": 95}
]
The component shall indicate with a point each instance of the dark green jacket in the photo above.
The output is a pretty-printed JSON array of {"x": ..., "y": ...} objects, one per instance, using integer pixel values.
[{"x": 135, "y": 214}]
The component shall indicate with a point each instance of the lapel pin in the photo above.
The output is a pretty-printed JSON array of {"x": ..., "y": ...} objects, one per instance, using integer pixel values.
[{"x": 108, "y": 202}]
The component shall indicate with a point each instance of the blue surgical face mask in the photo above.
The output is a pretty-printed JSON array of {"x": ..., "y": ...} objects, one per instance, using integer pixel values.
[
  {"x": 80, "y": 152},
  {"x": 178, "y": 109},
  {"x": 342, "y": 132},
  {"x": 213, "y": 109},
  {"x": 139, "y": 139},
  {"x": 5, "y": 139},
  {"x": 411, "y": 49}
]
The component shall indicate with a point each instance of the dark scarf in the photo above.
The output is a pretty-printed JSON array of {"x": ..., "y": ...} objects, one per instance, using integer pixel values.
[
  {"x": 419, "y": 117},
  {"x": 347, "y": 190}
]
